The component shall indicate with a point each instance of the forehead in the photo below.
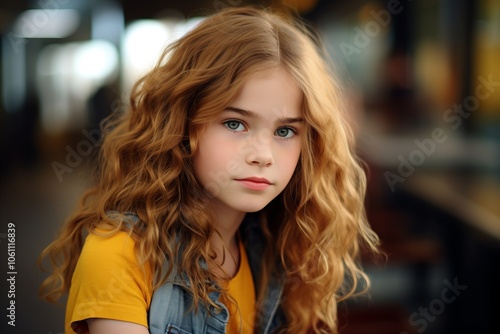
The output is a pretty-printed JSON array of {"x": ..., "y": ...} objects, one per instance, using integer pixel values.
[{"x": 270, "y": 92}]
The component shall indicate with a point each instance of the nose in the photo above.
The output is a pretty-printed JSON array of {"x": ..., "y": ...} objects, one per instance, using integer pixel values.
[{"x": 260, "y": 154}]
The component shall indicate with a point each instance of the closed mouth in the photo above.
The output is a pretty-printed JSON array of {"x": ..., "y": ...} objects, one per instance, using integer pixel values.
[{"x": 255, "y": 180}]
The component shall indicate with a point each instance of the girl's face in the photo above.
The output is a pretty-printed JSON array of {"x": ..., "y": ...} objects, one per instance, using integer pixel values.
[{"x": 247, "y": 155}]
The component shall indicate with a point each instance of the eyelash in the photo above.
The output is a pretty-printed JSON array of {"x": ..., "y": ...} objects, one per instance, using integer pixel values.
[{"x": 290, "y": 129}]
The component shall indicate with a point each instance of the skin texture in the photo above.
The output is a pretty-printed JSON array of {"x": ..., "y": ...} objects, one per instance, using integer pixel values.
[
  {"x": 107, "y": 326},
  {"x": 258, "y": 135}
]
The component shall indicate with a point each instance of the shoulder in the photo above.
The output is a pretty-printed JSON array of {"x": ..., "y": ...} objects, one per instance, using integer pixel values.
[
  {"x": 107, "y": 257},
  {"x": 109, "y": 282},
  {"x": 104, "y": 245}
]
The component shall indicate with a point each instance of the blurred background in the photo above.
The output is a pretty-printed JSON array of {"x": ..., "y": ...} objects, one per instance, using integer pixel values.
[{"x": 422, "y": 82}]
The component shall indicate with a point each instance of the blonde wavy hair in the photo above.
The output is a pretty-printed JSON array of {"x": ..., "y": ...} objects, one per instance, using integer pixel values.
[{"x": 146, "y": 168}]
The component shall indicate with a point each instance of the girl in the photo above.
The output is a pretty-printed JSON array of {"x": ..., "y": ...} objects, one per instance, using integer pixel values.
[{"x": 229, "y": 197}]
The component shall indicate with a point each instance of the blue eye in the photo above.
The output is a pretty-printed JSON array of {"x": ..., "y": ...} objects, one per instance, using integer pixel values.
[
  {"x": 234, "y": 125},
  {"x": 285, "y": 133}
]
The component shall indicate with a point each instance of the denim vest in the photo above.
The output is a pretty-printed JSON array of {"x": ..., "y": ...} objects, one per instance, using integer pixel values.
[{"x": 170, "y": 307}]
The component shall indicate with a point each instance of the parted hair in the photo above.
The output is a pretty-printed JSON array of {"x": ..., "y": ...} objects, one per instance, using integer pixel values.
[{"x": 314, "y": 228}]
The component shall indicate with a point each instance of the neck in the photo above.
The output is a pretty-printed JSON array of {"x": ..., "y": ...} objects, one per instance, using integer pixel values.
[
  {"x": 227, "y": 222},
  {"x": 224, "y": 242}
]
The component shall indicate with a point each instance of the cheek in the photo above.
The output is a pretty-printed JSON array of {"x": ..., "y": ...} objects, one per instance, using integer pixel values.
[
  {"x": 212, "y": 157},
  {"x": 290, "y": 159},
  {"x": 294, "y": 162}
]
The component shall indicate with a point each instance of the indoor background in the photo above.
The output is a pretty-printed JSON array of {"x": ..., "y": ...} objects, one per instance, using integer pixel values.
[{"x": 422, "y": 85}]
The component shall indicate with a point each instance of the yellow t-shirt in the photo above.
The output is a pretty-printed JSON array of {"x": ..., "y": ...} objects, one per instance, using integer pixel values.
[
  {"x": 241, "y": 289},
  {"x": 109, "y": 283}
]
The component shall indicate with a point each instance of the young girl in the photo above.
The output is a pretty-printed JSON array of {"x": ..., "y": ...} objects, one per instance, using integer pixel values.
[{"x": 229, "y": 198}]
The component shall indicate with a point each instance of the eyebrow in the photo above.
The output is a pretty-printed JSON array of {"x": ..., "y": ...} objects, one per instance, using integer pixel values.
[{"x": 248, "y": 113}]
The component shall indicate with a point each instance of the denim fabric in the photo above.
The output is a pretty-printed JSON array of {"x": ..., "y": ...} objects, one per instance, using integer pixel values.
[{"x": 170, "y": 308}]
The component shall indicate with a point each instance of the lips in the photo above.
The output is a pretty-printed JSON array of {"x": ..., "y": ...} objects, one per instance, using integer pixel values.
[
  {"x": 255, "y": 179},
  {"x": 254, "y": 183}
]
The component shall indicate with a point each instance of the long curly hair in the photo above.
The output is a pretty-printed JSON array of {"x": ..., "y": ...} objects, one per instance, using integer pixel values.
[{"x": 318, "y": 221}]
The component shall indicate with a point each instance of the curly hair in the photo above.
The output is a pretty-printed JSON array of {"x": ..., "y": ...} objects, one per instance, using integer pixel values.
[{"x": 146, "y": 167}]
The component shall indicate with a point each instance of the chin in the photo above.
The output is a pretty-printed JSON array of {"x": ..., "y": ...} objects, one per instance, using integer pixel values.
[{"x": 251, "y": 207}]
